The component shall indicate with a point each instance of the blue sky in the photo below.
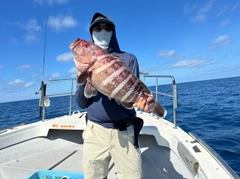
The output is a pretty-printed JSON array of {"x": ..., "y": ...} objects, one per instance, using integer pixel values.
[{"x": 191, "y": 40}]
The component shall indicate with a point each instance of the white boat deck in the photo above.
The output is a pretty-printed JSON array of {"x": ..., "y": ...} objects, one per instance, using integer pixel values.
[
  {"x": 57, "y": 145},
  {"x": 57, "y": 153}
]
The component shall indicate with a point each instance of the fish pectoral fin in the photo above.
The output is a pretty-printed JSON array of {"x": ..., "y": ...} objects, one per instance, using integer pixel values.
[
  {"x": 89, "y": 90},
  {"x": 126, "y": 105},
  {"x": 82, "y": 77}
]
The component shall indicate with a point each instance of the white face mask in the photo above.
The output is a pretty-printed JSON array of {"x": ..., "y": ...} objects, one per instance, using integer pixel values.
[{"x": 102, "y": 38}]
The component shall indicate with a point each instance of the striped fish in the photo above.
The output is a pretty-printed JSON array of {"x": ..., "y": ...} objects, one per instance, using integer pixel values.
[{"x": 109, "y": 75}]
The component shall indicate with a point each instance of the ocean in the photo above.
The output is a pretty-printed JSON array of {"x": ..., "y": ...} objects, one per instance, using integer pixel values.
[{"x": 210, "y": 109}]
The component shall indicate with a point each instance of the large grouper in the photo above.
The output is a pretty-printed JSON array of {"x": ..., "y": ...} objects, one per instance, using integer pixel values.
[{"x": 109, "y": 75}]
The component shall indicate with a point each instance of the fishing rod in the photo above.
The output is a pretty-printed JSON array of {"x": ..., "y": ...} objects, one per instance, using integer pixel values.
[
  {"x": 43, "y": 86},
  {"x": 44, "y": 49}
]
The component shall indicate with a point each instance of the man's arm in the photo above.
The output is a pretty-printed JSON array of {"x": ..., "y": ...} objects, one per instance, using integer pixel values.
[{"x": 82, "y": 101}]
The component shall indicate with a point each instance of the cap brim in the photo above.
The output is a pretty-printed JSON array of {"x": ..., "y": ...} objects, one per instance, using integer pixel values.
[{"x": 101, "y": 21}]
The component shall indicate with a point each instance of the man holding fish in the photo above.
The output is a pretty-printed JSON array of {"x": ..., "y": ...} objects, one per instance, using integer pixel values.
[{"x": 108, "y": 87}]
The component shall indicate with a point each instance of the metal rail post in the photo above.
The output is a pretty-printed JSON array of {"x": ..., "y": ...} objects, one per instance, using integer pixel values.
[{"x": 174, "y": 95}]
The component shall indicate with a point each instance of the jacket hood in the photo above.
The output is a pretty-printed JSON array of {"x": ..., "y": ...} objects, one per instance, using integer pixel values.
[{"x": 100, "y": 18}]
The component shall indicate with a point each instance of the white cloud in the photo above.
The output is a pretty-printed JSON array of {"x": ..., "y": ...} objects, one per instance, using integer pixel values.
[
  {"x": 235, "y": 7},
  {"x": 190, "y": 8},
  {"x": 1, "y": 66},
  {"x": 61, "y": 22},
  {"x": 32, "y": 25},
  {"x": 24, "y": 67},
  {"x": 166, "y": 53},
  {"x": 221, "y": 39},
  {"x": 222, "y": 11},
  {"x": 50, "y": 2},
  {"x": 55, "y": 75},
  {"x": 224, "y": 69},
  {"x": 220, "y": 42},
  {"x": 30, "y": 37},
  {"x": 224, "y": 23},
  {"x": 16, "y": 85},
  {"x": 32, "y": 28},
  {"x": 169, "y": 54},
  {"x": 198, "y": 18},
  {"x": 15, "y": 82},
  {"x": 65, "y": 57},
  {"x": 189, "y": 63},
  {"x": 73, "y": 72},
  {"x": 201, "y": 11},
  {"x": 28, "y": 84}
]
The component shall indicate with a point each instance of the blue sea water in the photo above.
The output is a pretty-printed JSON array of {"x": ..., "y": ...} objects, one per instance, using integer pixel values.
[{"x": 210, "y": 109}]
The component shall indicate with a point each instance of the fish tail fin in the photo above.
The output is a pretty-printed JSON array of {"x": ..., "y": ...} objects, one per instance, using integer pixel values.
[{"x": 157, "y": 109}]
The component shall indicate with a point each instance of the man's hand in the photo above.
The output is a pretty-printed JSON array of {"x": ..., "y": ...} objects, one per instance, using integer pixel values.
[{"x": 143, "y": 104}]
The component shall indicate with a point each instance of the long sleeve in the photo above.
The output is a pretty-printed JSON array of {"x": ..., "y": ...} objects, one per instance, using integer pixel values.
[
  {"x": 82, "y": 101},
  {"x": 131, "y": 61},
  {"x": 134, "y": 67}
]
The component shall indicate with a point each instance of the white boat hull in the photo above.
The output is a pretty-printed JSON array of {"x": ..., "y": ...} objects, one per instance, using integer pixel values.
[{"x": 56, "y": 144}]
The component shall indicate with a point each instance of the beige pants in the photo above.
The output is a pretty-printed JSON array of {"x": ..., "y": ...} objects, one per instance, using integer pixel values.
[{"x": 101, "y": 144}]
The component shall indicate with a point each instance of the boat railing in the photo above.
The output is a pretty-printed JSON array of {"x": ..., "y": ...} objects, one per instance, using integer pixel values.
[
  {"x": 44, "y": 97},
  {"x": 174, "y": 94},
  {"x": 45, "y": 102}
]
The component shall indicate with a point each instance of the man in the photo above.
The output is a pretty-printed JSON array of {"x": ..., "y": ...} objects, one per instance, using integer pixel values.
[{"x": 109, "y": 133}]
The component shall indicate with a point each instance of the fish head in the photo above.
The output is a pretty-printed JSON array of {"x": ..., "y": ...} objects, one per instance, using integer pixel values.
[
  {"x": 84, "y": 56},
  {"x": 81, "y": 51}
]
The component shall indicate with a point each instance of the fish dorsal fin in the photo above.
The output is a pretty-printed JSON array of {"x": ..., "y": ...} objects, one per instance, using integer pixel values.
[{"x": 89, "y": 90}]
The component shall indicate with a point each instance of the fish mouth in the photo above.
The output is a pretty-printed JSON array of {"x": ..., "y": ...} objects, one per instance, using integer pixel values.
[{"x": 75, "y": 44}]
